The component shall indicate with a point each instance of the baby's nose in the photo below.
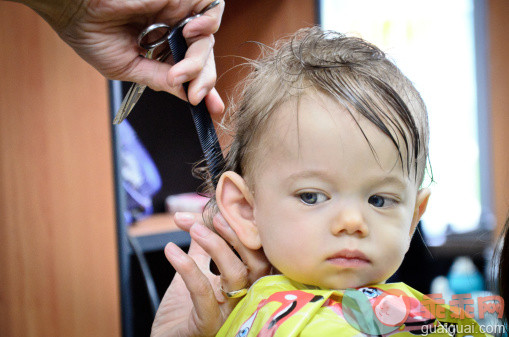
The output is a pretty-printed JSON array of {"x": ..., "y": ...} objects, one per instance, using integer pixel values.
[{"x": 350, "y": 220}]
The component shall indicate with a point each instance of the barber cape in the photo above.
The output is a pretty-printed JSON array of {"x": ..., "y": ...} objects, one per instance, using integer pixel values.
[{"x": 277, "y": 306}]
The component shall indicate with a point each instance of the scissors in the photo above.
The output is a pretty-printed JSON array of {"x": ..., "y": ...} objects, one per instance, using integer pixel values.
[{"x": 156, "y": 51}]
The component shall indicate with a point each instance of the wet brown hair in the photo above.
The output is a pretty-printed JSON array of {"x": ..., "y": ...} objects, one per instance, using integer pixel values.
[{"x": 349, "y": 69}]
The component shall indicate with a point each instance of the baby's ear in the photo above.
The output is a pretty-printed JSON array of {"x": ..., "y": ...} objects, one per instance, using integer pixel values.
[
  {"x": 421, "y": 203},
  {"x": 235, "y": 201}
]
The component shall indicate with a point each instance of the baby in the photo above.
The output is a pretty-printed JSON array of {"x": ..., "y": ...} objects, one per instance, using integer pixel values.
[{"x": 324, "y": 174}]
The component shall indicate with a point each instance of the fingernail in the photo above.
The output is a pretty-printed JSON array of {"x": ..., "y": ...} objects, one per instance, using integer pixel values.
[
  {"x": 200, "y": 230},
  {"x": 217, "y": 97},
  {"x": 184, "y": 217}
]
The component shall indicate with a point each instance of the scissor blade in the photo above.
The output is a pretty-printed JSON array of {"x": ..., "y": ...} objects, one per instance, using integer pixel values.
[{"x": 130, "y": 100}]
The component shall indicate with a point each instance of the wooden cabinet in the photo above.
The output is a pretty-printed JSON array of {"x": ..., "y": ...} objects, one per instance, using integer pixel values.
[{"x": 58, "y": 241}]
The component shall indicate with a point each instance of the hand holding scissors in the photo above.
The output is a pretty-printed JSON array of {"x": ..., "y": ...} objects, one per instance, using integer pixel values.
[
  {"x": 103, "y": 33},
  {"x": 172, "y": 42},
  {"x": 159, "y": 49}
]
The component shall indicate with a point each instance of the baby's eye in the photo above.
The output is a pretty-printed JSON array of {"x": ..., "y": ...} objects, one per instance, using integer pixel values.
[
  {"x": 381, "y": 201},
  {"x": 312, "y": 198}
]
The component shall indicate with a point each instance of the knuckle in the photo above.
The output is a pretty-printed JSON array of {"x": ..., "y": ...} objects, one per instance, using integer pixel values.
[
  {"x": 235, "y": 275},
  {"x": 216, "y": 243},
  {"x": 195, "y": 64},
  {"x": 259, "y": 271},
  {"x": 239, "y": 272},
  {"x": 187, "y": 266},
  {"x": 243, "y": 273}
]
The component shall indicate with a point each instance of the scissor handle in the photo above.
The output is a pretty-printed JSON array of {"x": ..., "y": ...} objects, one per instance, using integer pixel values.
[
  {"x": 184, "y": 21},
  {"x": 167, "y": 29},
  {"x": 152, "y": 28}
]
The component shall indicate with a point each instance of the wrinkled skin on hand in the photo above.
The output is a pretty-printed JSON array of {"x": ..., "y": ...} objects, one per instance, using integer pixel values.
[{"x": 104, "y": 33}]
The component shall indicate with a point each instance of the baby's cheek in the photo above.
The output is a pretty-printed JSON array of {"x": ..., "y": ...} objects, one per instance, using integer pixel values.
[
  {"x": 392, "y": 240},
  {"x": 390, "y": 256},
  {"x": 288, "y": 257},
  {"x": 279, "y": 251}
]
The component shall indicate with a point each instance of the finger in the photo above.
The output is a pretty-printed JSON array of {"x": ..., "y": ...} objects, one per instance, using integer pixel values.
[
  {"x": 204, "y": 75},
  {"x": 206, "y": 24},
  {"x": 202, "y": 259},
  {"x": 184, "y": 220},
  {"x": 200, "y": 256},
  {"x": 195, "y": 60},
  {"x": 175, "y": 11},
  {"x": 233, "y": 271},
  {"x": 211, "y": 19},
  {"x": 214, "y": 102},
  {"x": 202, "y": 295},
  {"x": 175, "y": 255},
  {"x": 153, "y": 74},
  {"x": 255, "y": 260},
  {"x": 204, "y": 82}
]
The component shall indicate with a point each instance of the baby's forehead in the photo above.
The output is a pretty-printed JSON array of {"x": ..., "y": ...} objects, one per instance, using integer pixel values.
[
  {"x": 318, "y": 113},
  {"x": 317, "y": 125}
]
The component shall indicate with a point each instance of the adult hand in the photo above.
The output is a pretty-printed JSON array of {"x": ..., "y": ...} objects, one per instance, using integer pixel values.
[
  {"x": 104, "y": 33},
  {"x": 193, "y": 304}
]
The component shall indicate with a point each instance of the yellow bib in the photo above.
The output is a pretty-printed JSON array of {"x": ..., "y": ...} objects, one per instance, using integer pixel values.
[{"x": 277, "y": 306}]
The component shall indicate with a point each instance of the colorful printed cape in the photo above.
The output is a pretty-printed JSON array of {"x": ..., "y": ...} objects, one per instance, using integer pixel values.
[{"x": 277, "y": 306}]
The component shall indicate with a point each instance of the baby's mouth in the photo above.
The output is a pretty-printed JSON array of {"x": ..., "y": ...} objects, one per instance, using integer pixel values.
[{"x": 347, "y": 258}]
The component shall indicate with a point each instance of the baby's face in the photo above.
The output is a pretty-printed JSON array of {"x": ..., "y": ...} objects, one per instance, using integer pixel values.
[{"x": 328, "y": 212}]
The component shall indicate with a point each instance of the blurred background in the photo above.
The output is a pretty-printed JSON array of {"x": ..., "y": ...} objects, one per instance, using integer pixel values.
[{"x": 85, "y": 207}]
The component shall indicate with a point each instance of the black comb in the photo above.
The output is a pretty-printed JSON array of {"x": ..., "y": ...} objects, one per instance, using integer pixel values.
[{"x": 201, "y": 117}]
